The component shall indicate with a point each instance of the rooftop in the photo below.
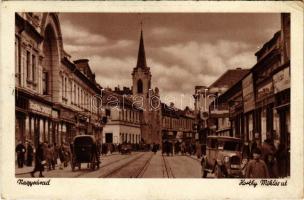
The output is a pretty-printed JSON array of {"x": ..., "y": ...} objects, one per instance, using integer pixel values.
[{"x": 229, "y": 78}]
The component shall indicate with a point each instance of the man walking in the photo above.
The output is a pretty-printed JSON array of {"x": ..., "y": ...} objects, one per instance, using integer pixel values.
[
  {"x": 20, "y": 150},
  {"x": 256, "y": 168},
  {"x": 30, "y": 154},
  {"x": 39, "y": 161}
]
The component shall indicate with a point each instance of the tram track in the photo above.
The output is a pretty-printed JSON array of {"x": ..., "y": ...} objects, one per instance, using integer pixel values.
[
  {"x": 193, "y": 158},
  {"x": 120, "y": 167},
  {"x": 167, "y": 169},
  {"x": 103, "y": 166},
  {"x": 143, "y": 169}
]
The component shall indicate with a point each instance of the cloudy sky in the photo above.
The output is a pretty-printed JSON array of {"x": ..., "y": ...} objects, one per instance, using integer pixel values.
[{"x": 182, "y": 50}]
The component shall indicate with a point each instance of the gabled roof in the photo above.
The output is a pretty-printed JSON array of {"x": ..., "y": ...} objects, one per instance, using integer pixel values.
[
  {"x": 260, "y": 53},
  {"x": 84, "y": 67},
  {"x": 229, "y": 78}
]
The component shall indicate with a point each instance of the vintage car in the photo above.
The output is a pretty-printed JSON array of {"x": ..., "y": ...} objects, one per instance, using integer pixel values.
[
  {"x": 126, "y": 148},
  {"x": 84, "y": 150},
  {"x": 223, "y": 157}
]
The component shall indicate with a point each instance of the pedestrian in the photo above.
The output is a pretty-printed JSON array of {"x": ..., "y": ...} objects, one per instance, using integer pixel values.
[
  {"x": 253, "y": 146},
  {"x": 49, "y": 157},
  {"x": 183, "y": 148},
  {"x": 20, "y": 150},
  {"x": 39, "y": 161},
  {"x": 61, "y": 156},
  {"x": 154, "y": 148},
  {"x": 198, "y": 150},
  {"x": 96, "y": 153},
  {"x": 246, "y": 150},
  {"x": 256, "y": 168},
  {"x": 104, "y": 149},
  {"x": 67, "y": 154},
  {"x": 30, "y": 154},
  {"x": 56, "y": 157},
  {"x": 282, "y": 157},
  {"x": 176, "y": 148},
  {"x": 268, "y": 155}
]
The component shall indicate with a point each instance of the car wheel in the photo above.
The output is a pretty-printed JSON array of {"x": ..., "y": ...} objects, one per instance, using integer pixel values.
[{"x": 218, "y": 171}]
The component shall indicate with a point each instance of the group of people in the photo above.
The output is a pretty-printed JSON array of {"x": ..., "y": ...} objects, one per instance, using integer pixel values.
[
  {"x": 25, "y": 154},
  {"x": 49, "y": 156},
  {"x": 107, "y": 148},
  {"x": 183, "y": 148},
  {"x": 267, "y": 161},
  {"x": 45, "y": 156}
]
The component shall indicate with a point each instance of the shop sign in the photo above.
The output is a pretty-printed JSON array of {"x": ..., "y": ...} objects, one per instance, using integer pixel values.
[
  {"x": 39, "y": 107},
  {"x": 65, "y": 114},
  {"x": 265, "y": 91},
  {"x": 219, "y": 111},
  {"x": 281, "y": 80},
  {"x": 248, "y": 93}
]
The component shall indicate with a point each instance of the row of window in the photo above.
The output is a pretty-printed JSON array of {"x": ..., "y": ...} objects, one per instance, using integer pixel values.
[
  {"x": 74, "y": 93},
  {"x": 129, "y": 115},
  {"x": 29, "y": 58},
  {"x": 26, "y": 65},
  {"x": 177, "y": 123},
  {"x": 130, "y": 138}
]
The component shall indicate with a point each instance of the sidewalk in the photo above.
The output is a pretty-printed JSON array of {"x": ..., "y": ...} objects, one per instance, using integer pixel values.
[
  {"x": 27, "y": 169},
  {"x": 24, "y": 170}
]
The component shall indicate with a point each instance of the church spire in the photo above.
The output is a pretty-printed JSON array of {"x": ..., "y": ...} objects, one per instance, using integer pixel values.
[{"x": 141, "y": 59}]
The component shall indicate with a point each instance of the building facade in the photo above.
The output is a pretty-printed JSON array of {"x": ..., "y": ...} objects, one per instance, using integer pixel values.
[
  {"x": 177, "y": 124},
  {"x": 54, "y": 98},
  {"x": 213, "y": 115},
  {"x": 123, "y": 119},
  {"x": 259, "y": 104}
]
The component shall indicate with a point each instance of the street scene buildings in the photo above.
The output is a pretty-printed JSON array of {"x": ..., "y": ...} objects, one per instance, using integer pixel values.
[{"x": 133, "y": 131}]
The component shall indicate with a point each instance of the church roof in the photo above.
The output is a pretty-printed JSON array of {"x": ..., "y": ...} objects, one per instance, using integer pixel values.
[{"x": 141, "y": 59}]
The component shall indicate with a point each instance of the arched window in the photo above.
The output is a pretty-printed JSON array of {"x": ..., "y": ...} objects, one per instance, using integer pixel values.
[{"x": 139, "y": 86}]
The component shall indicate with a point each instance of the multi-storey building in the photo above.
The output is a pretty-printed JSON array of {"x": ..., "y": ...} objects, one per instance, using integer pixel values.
[
  {"x": 55, "y": 97},
  {"x": 177, "y": 124},
  {"x": 212, "y": 115},
  {"x": 123, "y": 119},
  {"x": 259, "y": 104}
]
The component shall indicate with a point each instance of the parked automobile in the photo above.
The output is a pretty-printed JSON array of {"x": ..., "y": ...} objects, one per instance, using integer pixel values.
[
  {"x": 84, "y": 150},
  {"x": 223, "y": 157},
  {"x": 126, "y": 148}
]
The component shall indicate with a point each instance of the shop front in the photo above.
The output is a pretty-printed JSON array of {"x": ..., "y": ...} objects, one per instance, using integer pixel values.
[
  {"x": 36, "y": 120},
  {"x": 264, "y": 105},
  {"x": 67, "y": 125},
  {"x": 249, "y": 106},
  {"x": 281, "y": 81}
]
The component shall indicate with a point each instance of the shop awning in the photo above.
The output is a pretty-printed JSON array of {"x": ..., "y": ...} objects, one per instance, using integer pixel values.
[{"x": 282, "y": 106}]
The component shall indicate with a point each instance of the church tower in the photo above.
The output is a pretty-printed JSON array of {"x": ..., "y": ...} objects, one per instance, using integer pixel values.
[
  {"x": 141, "y": 74},
  {"x": 142, "y": 92}
]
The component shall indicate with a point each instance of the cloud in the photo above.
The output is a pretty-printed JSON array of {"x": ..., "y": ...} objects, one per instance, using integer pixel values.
[
  {"x": 80, "y": 36},
  {"x": 183, "y": 50}
]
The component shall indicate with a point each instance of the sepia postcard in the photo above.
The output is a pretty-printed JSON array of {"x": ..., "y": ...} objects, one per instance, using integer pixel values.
[{"x": 151, "y": 100}]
